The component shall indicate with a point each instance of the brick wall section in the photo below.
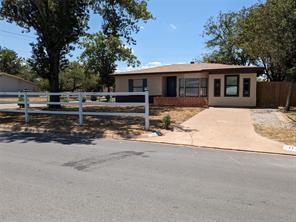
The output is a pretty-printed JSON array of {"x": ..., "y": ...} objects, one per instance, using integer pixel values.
[{"x": 181, "y": 101}]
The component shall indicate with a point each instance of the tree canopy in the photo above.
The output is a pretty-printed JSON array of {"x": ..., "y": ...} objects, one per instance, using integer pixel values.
[
  {"x": 101, "y": 54},
  {"x": 10, "y": 62},
  {"x": 223, "y": 39},
  {"x": 75, "y": 78},
  {"x": 264, "y": 34},
  {"x": 59, "y": 24}
]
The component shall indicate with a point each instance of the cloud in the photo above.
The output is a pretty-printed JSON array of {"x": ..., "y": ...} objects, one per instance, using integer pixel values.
[
  {"x": 146, "y": 66},
  {"x": 153, "y": 64},
  {"x": 173, "y": 27},
  {"x": 142, "y": 27}
]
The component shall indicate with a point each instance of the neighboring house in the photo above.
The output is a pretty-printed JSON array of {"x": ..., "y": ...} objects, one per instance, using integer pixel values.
[
  {"x": 11, "y": 83},
  {"x": 199, "y": 84}
]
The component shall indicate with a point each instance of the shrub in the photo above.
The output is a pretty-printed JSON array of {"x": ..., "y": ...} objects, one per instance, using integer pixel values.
[
  {"x": 108, "y": 98},
  {"x": 20, "y": 103},
  {"x": 65, "y": 99},
  {"x": 93, "y": 98},
  {"x": 166, "y": 121}
]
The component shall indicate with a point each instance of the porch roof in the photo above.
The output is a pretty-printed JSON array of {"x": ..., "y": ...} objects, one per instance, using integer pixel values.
[{"x": 211, "y": 68}]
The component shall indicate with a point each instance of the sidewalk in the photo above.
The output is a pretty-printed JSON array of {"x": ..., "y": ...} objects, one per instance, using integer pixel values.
[{"x": 225, "y": 128}]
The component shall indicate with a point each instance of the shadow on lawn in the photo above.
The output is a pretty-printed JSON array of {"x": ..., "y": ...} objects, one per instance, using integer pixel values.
[
  {"x": 66, "y": 139},
  {"x": 65, "y": 129}
]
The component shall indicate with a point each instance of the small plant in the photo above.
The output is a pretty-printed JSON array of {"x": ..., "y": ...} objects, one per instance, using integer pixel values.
[
  {"x": 93, "y": 98},
  {"x": 166, "y": 121},
  {"x": 108, "y": 98},
  {"x": 65, "y": 99},
  {"x": 21, "y": 101}
]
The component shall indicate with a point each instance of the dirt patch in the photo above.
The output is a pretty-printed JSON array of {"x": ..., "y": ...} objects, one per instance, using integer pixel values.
[
  {"x": 275, "y": 125},
  {"x": 99, "y": 126},
  {"x": 292, "y": 114}
]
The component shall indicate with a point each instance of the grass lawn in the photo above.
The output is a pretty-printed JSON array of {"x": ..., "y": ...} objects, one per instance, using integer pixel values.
[{"x": 100, "y": 126}]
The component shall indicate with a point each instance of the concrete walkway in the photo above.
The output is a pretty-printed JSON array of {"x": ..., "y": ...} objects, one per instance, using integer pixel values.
[{"x": 227, "y": 128}]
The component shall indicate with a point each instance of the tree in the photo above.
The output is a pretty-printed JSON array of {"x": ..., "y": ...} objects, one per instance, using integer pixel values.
[
  {"x": 264, "y": 34},
  {"x": 291, "y": 78},
  {"x": 269, "y": 33},
  {"x": 27, "y": 73},
  {"x": 59, "y": 25},
  {"x": 103, "y": 49},
  {"x": 101, "y": 54},
  {"x": 74, "y": 78},
  {"x": 223, "y": 33},
  {"x": 9, "y": 61}
]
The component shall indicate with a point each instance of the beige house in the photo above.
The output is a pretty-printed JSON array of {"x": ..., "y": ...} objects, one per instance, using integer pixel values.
[
  {"x": 11, "y": 83},
  {"x": 198, "y": 84}
]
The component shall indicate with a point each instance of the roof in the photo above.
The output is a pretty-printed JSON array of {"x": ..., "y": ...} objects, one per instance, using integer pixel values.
[
  {"x": 16, "y": 77},
  {"x": 211, "y": 68}
]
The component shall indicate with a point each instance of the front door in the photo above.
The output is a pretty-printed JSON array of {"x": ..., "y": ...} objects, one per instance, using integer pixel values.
[{"x": 171, "y": 86}]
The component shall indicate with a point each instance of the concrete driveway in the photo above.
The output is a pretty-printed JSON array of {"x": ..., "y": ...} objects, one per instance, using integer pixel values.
[{"x": 229, "y": 128}]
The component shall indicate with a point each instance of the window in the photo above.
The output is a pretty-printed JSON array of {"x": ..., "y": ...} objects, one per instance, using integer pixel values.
[
  {"x": 203, "y": 87},
  {"x": 182, "y": 87},
  {"x": 247, "y": 87},
  {"x": 193, "y": 87},
  {"x": 231, "y": 85},
  {"x": 217, "y": 87},
  {"x": 137, "y": 85}
]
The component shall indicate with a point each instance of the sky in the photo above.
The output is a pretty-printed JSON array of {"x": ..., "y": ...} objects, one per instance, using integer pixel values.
[{"x": 174, "y": 36}]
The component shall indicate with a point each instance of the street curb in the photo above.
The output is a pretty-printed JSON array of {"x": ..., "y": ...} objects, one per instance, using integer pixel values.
[
  {"x": 217, "y": 148},
  {"x": 112, "y": 136}
]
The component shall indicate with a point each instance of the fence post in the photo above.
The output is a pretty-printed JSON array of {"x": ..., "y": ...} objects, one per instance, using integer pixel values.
[
  {"x": 26, "y": 107},
  {"x": 147, "y": 109},
  {"x": 80, "y": 110}
]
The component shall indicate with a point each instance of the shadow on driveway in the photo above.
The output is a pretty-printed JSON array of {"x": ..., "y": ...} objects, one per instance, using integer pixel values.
[{"x": 66, "y": 139}]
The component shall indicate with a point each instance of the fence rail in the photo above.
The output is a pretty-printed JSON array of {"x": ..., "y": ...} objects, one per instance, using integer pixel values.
[{"x": 25, "y": 102}]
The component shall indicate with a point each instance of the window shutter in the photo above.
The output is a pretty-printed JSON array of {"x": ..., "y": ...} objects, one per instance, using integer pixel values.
[
  {"x": 144, "y": 84},
  {"x": 130, "y": 85}
]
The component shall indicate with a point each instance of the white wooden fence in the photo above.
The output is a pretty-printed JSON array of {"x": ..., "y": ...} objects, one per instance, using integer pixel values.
[{"x": 77, "y": 100}]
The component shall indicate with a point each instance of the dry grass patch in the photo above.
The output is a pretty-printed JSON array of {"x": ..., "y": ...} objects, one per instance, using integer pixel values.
[
  {"x": 100, "y": 126},
  {"x": 285, "y": 135},
  {"x": 32, "y": 99}
]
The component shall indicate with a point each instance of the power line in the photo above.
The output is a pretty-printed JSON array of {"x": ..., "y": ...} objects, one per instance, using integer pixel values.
[{"x": 17, "y": 34}]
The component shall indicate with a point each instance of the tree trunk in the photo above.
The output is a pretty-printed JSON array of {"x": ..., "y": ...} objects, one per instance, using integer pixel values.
[
  {"x": 54, "y": 79},
  {"x": 289, "y": 97}
]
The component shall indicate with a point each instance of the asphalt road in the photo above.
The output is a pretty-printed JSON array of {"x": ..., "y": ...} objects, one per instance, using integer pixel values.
[{"x": 56, "y": 178}]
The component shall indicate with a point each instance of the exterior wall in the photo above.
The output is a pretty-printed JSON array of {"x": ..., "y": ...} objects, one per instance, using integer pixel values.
[
  {"x": 181, "y": 101},
  {"x": 239, "y": 101},
  {"x": 11, "y": 84},
  {"x": 154, "y": 83},
  {"x": 157, "y": 88}
]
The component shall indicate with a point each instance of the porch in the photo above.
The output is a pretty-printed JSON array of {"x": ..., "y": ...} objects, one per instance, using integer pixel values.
[{"x": 183, "y": 91}]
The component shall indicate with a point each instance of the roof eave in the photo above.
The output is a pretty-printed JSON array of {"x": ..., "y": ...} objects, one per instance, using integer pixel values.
[{"x": 258, "y": 70}]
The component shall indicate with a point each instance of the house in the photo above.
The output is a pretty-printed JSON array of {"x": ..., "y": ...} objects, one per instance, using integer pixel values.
[
  {"x": 11, "y": 83},
  {"x": 198, "y": 84}
]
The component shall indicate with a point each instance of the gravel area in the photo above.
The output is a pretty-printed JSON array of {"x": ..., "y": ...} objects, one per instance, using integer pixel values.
[{"x": 272, "y": 118}]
